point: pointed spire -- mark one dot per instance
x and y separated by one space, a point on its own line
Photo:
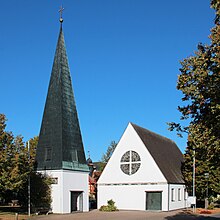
60 143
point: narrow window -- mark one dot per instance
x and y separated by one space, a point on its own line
74 155
185 194
48 154
172 195
179 194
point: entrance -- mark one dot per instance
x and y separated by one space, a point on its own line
76 201
153 200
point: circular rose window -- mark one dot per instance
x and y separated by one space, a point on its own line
130 162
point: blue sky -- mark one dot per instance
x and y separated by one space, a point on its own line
123 56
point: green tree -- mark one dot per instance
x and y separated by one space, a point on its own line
105 157
32 151
13 163
40 191
16 164
109 152
207 153
40 184
199 82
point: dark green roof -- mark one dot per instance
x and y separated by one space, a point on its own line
60 142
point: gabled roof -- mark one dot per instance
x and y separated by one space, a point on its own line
165 152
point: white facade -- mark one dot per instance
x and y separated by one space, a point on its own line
133 197
69 191
131 192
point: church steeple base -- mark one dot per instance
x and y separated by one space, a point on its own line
69 191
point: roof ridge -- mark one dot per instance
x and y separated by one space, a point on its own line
153 133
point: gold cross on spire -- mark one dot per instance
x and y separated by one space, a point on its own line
61 13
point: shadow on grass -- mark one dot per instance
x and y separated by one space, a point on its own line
189 216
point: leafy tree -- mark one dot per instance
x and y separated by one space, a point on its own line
32 151
13 164
40 191
207 153
199 82
109 152
16 164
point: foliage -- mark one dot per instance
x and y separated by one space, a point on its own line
207 154
13 161
99 166
215 200
110 207
199 82
109 152
211 207
16 164
40 191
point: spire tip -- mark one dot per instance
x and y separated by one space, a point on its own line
61 13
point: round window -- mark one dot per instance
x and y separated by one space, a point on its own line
130 162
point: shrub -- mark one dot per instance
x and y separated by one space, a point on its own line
211 206
110 207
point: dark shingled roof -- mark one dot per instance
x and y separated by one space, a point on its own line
165 152
60 137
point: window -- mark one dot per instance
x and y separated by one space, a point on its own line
74 155
48 154
130 162
172 195
185 194
179 194
54 180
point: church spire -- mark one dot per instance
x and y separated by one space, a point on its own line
60 143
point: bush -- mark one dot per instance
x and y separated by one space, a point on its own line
215 200
211 206
110 207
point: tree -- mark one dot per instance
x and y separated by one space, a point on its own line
16 166
40 192
199 82
109 152
13 163
207 153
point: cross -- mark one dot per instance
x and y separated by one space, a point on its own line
61 13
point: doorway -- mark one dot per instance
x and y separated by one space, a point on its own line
153 200
76 201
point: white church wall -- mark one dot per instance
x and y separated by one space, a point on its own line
129 191
131 197
56 190
75 181
148 171
68 181
177 197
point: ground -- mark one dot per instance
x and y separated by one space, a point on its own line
121 215
203 211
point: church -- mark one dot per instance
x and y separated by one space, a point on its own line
143 173
60 152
